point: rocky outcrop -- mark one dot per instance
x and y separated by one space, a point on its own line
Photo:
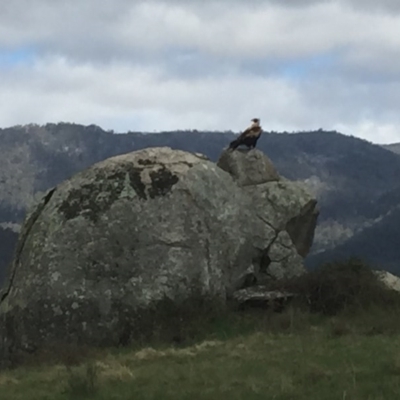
284 205
141 227
248 168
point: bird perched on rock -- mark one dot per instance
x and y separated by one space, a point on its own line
249 136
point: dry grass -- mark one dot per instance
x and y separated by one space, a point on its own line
313 364
149 353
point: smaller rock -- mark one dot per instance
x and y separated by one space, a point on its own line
248 167
389 280
260 296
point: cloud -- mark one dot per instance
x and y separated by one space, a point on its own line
125 97
155 65
108 30
62 91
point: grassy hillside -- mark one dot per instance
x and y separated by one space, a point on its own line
343 343
287 356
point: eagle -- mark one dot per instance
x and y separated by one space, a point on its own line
249 136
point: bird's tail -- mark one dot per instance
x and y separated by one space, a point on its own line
234 144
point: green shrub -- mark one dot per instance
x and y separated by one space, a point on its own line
335 287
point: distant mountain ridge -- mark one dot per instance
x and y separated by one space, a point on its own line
356 182
395 147
377 243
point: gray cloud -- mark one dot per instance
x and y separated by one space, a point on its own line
204 64
128 30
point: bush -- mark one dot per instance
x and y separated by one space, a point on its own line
335 287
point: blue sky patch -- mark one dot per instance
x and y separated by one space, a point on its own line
12 57
305 67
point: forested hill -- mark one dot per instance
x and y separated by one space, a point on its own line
350 177
378 244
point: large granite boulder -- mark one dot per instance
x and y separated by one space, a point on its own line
141 227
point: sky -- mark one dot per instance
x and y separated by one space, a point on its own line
142 65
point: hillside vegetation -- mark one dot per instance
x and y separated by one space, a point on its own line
378 243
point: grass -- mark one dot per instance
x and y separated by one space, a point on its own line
293 355
339 340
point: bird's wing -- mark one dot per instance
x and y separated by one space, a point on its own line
250 131
246 132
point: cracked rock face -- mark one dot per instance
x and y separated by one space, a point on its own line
281 204
136 228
